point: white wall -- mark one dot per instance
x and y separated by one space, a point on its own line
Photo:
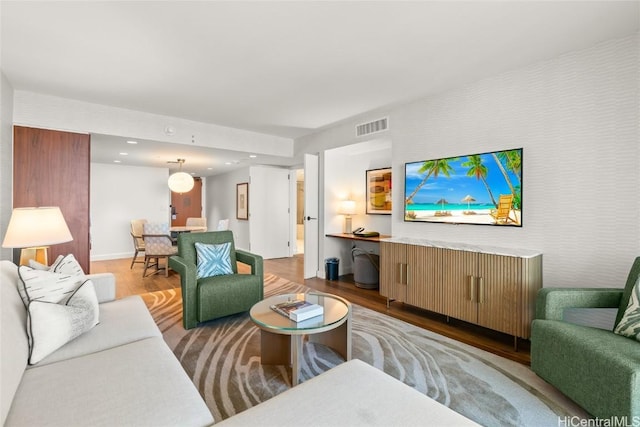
221 204
6 159
576 116
118 195
344 178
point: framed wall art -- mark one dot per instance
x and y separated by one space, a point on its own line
242 200
378 182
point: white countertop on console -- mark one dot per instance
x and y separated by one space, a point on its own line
515 252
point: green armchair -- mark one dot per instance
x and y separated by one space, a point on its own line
594 367
209 298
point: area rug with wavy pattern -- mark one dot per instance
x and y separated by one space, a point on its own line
222 357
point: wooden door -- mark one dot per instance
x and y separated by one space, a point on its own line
499 283
187 205
52 168
459 284
393 271
424 284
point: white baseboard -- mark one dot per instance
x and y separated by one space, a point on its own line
107 257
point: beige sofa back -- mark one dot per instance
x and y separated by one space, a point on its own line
14 348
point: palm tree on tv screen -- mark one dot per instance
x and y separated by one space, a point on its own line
478 170
512 160
432 168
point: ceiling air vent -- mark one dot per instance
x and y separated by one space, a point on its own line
372 127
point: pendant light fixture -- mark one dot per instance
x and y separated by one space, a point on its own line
180 182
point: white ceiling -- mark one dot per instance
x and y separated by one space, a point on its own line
285 68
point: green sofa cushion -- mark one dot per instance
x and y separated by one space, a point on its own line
220 296
599 370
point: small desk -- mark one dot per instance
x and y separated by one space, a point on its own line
350 236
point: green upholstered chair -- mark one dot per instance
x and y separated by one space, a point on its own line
209 298
594 367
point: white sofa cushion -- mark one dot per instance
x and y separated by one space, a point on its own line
140 384
14 348
351 394
121 321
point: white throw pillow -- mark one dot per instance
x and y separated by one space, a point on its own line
67 264
629 325
51 325
46 286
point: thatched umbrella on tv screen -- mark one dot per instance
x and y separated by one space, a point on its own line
468 199
443 202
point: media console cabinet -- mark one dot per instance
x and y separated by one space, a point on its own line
491 287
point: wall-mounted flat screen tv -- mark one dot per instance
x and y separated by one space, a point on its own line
483 188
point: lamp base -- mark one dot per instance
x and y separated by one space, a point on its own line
39 254
347 225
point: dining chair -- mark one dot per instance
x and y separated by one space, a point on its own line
197 222
158 245
137 229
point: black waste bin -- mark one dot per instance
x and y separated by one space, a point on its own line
331 266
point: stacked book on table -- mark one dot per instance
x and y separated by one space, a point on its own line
298 310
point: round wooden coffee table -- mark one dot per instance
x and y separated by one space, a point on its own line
281 338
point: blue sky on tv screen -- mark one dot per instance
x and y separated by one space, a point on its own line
458 185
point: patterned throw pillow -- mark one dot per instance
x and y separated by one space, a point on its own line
47 286
629 325
51 325
67 264
213 260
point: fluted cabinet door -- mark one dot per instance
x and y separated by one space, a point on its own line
459 284
393 267
51 168
424 284
499 283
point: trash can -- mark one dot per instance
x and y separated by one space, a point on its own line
331 266
366 269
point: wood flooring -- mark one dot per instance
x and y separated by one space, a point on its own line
130 282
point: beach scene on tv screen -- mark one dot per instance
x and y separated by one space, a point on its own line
473 189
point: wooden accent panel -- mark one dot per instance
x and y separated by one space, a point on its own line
187 205
52 168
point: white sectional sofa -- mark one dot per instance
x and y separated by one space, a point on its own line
121 372
352 394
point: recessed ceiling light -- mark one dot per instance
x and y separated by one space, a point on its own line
253 156
209 169
124 154
117 161
227 163
132 142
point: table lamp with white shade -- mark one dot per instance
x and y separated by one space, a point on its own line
347 208
33 230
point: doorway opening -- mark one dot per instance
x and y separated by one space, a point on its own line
299 211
